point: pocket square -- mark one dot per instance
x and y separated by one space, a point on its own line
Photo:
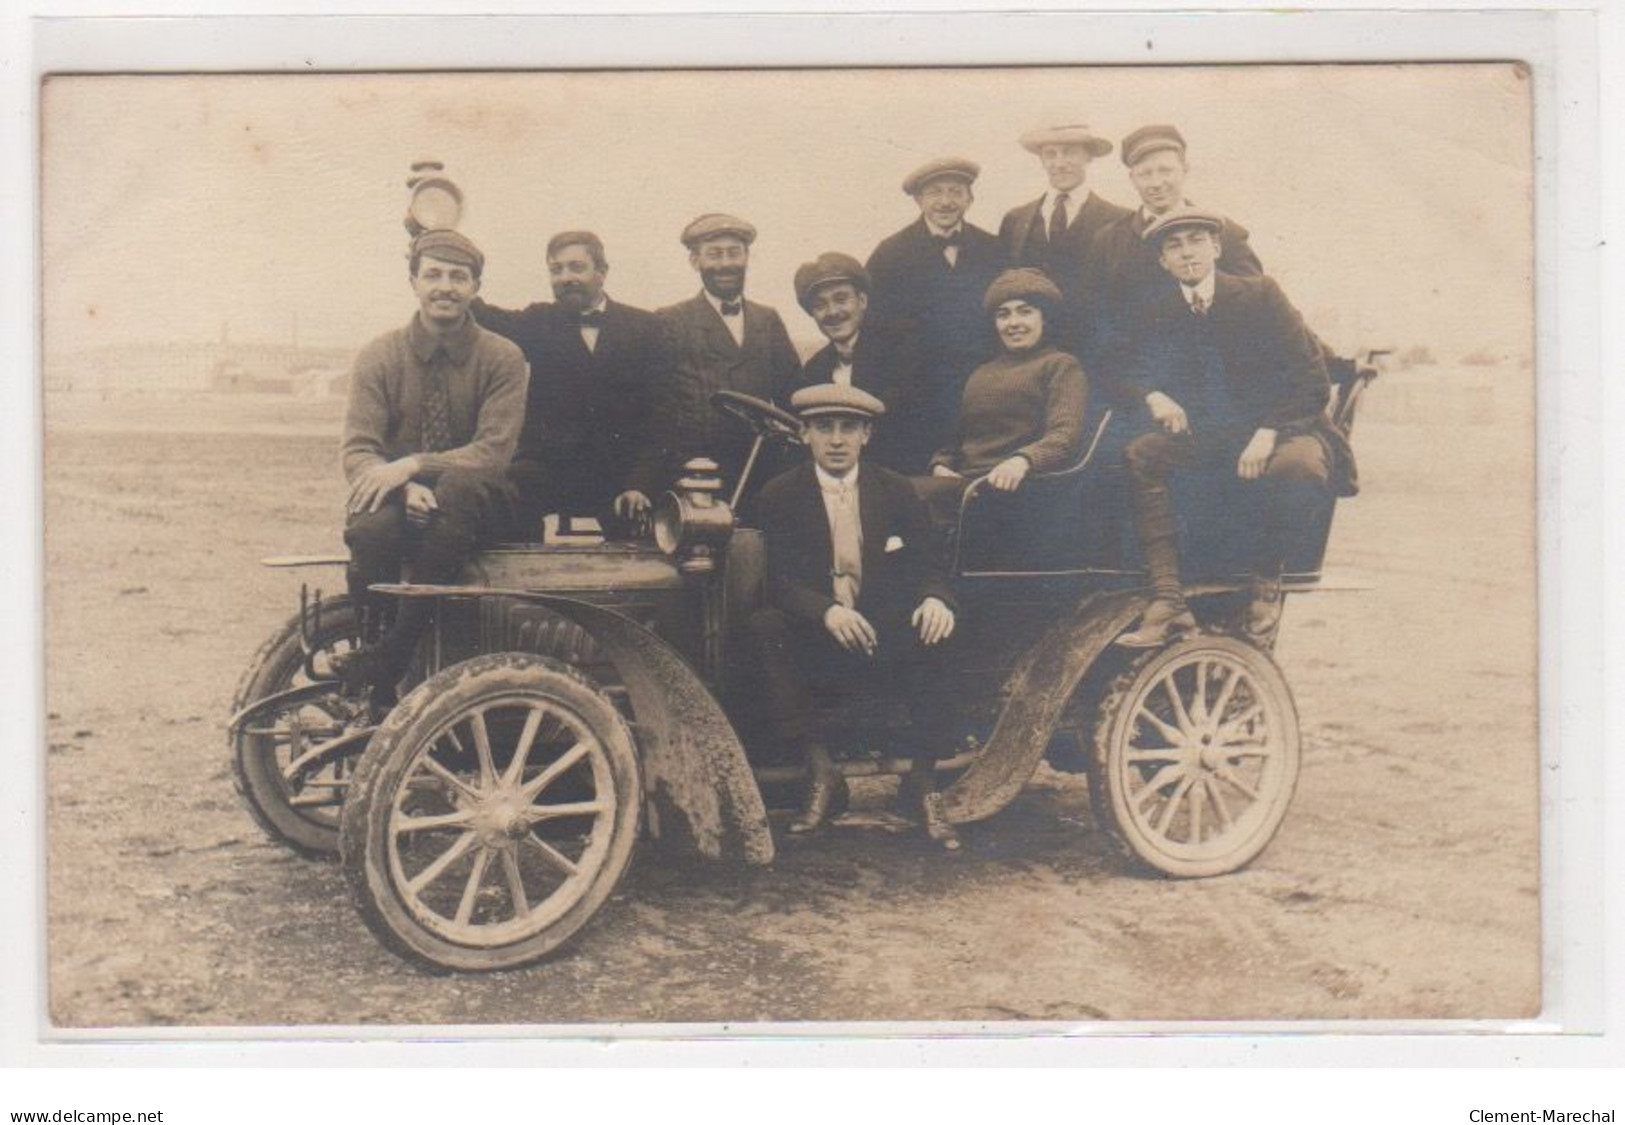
895 543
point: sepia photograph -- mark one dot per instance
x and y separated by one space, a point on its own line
988 547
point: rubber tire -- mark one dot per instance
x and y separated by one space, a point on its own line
274 667
394 748
1111 733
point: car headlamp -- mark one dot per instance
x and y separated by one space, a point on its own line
690 522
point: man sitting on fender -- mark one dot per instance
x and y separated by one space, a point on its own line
855 594
1229 377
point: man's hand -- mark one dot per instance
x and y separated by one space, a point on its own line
1167 413
421 505
1256 457
1008 474
632 505
376 482
934 620
851 630
944 471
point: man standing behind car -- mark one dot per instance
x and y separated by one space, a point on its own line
718 341
595 367
434 413
877 356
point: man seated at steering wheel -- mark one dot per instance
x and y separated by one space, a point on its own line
856 594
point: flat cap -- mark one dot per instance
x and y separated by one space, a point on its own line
1148 139
449 246
1035 139
1023 284
713 224
826 268
833 398
1179 218
943 167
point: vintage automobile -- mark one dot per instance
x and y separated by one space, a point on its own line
580 696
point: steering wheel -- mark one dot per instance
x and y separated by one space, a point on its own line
763 418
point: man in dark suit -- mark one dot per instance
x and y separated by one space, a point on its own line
877 356
855 594
1225 376
595 368
718 341
1053 232
929 279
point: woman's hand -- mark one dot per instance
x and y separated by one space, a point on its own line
1167 413
1256 457
1008 474
944 471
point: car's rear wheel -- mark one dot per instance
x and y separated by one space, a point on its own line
291 761
1197 752
494 813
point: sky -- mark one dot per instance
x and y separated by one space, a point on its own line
1393 203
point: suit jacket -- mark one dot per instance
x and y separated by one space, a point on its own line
890 364
1269 360
588 413
1026 239
801 553
705 360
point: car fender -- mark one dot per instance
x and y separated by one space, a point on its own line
1037 692
700 786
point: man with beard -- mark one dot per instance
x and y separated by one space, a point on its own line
595 365
1053 233
718 341
929 279
434 413
878 357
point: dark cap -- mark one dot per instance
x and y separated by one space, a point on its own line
827 268
1035 139
835 398
1024 284
449 246
715 224
1178 219
1148 139
943 167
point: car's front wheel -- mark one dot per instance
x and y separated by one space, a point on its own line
493 814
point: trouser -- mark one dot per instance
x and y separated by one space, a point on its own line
539 493
798 660
1298 463
474 508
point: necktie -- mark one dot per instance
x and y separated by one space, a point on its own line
848 543
1199 304
733 308
1057 218
436 432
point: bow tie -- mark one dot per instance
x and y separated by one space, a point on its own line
953 239
592 318
733 308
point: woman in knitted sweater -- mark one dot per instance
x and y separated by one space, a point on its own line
1023 410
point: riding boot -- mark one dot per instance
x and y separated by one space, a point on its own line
1167 615
826 791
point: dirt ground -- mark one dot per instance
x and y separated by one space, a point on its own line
1404 882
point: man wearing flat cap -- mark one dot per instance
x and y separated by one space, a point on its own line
1053 232
929 279
595 369
434 413
718 341
875 355
1226 377
855 595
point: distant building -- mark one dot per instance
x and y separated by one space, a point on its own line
217 366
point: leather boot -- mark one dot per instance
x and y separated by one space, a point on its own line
1164 619
1264 611
826 793
934 814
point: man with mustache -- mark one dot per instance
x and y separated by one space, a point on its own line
1053 232
717 341
1224 376
873 355
928 281
434 413
595 367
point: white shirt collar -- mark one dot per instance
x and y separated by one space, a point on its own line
828 482
716 302
1203 287
1075 199
851 349
599 305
